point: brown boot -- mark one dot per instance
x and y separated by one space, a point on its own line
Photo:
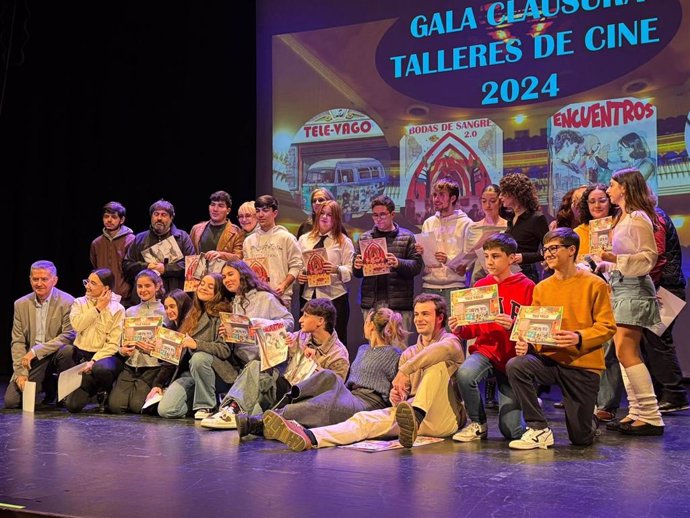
249 425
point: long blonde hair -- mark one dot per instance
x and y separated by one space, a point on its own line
388 325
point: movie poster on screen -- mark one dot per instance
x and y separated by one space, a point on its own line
467 151
353 179
589 141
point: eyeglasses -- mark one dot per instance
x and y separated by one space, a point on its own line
553 249
87 282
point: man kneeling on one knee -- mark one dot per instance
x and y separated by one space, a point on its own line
424 400
576 360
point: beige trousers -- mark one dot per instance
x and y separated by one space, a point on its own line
433 396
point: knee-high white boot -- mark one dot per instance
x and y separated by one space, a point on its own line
647 405
633 405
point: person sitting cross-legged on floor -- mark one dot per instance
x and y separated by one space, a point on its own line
576 360
424 397
492 348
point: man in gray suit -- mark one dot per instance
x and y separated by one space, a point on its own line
41 327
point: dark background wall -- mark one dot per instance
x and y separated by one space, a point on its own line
127 101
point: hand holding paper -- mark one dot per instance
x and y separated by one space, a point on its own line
521 347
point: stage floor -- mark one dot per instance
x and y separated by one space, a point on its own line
54 463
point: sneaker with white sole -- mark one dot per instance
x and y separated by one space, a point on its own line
222 420
203 413
533 439
472 432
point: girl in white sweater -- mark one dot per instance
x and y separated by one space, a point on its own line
632 257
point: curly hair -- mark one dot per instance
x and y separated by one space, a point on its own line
522 189
585 214
566 217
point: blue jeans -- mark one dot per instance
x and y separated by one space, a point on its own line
175 402
476 368
254 391
199 385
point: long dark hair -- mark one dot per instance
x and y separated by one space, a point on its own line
184 304
214 306
248 281
636 193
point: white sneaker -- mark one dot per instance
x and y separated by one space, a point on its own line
472 432
203 413
532 439
223 420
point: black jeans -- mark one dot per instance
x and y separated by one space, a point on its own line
101 377
662 360
579 387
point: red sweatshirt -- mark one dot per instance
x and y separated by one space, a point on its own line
492 340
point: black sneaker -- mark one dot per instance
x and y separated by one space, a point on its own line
668 407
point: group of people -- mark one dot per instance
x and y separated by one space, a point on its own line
389 389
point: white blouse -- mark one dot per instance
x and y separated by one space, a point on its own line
634 244
340 256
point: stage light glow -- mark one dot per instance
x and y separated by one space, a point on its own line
520 118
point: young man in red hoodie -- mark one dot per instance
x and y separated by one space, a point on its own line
492 348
